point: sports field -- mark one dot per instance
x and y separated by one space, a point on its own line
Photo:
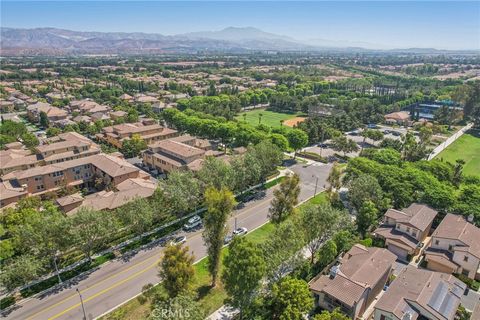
269 118
467 147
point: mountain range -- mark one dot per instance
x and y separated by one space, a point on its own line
53 41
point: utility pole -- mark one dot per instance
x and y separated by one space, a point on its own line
316 184
83 307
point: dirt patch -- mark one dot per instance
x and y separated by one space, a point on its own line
294 121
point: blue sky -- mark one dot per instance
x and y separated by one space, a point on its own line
438 24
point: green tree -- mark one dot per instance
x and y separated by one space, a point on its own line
182 191
219 204
334 315
91 229
268 155
372 134
327 254
285 199
291 299
282 250
30 140
176 269
19 271
44 122
367 216
53 131
244 267
457 173
317 224
133 146
365 188
136 215
297 139
334 180
343 144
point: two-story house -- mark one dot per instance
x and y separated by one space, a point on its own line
353 284
420 294
404 231
455 247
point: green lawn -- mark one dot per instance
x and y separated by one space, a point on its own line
270 118
467 147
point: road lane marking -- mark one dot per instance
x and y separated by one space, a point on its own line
88 288
106 289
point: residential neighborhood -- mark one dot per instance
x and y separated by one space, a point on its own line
240 160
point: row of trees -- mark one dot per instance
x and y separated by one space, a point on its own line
234 133
254 276
38 233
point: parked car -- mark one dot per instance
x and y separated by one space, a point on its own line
386 131
192 223
372 126
323 145
228 239
396 133
240 231
178 240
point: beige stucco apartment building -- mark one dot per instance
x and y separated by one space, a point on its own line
148 129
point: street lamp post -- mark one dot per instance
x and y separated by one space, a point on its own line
83 307
56 267
316 184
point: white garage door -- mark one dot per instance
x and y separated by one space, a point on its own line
401 253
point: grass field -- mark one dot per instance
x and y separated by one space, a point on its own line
467 147
269 118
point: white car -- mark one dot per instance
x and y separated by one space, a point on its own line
193 222
240 231
178 240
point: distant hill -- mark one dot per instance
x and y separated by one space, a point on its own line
52 41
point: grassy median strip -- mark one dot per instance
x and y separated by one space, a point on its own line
208 298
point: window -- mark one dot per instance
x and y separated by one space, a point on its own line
465 272
465 258
408 229
414 233
437 242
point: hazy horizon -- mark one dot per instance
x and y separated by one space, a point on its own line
380 24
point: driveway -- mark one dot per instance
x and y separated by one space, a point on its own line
470 300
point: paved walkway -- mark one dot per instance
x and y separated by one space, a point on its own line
449 141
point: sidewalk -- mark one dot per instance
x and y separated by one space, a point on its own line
449 141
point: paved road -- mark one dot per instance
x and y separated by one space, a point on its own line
122 279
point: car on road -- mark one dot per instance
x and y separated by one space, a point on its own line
354 133
192 223
396 133
178 240
323 145
228 239
372 126
240 231
386 131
